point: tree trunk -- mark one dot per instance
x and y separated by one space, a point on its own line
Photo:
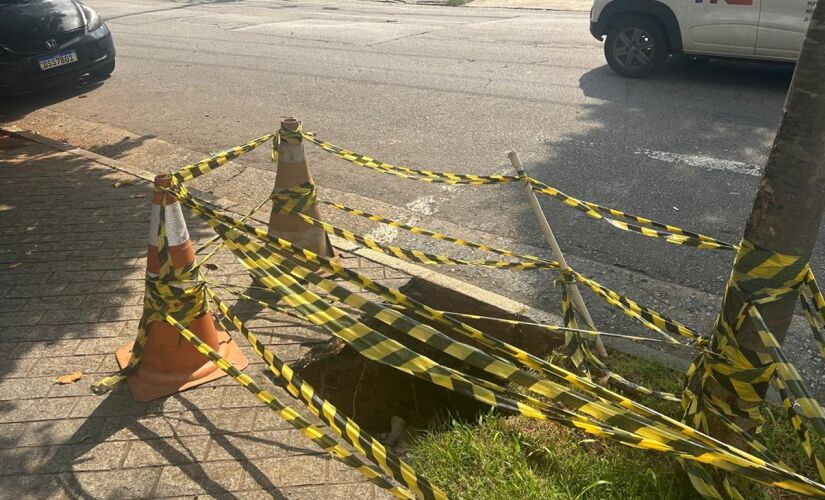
789 204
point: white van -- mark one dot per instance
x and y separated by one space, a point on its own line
640 34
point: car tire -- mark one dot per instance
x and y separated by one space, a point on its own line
103 71
635 46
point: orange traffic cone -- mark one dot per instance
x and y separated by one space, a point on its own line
293 171
169 363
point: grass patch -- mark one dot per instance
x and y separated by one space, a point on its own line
515 457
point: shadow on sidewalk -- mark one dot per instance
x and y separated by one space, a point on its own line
118 417
17 107
73 260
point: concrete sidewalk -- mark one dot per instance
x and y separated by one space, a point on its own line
71 286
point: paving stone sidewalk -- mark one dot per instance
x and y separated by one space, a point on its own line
72 260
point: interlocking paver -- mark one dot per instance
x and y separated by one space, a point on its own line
72 249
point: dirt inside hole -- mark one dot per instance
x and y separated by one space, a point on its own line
373 394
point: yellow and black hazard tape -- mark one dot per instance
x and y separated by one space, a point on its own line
556 328
295 419
654 436
580 355
166 300
343 426
645 227
400 171
647 316
432 234
759 276
596 410
424 257
294 200
195 170
813 303
640 225
172 292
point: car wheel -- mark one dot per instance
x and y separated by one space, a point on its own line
103 71
635 46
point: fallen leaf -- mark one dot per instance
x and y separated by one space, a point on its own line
211 267
141 195
15 265
69 378
120 184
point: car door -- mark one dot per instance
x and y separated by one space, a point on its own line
720 27
782 28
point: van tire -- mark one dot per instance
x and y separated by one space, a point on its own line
635 46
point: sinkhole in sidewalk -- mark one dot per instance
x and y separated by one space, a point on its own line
377 396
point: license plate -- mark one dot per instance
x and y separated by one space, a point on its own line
60 59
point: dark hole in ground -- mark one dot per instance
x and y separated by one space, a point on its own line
372 394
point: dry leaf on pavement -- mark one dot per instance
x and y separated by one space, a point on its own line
69 378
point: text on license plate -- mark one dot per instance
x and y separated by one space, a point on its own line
56 60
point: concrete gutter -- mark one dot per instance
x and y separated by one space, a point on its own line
436 287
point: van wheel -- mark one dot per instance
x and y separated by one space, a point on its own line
635 46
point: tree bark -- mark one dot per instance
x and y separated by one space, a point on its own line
790 200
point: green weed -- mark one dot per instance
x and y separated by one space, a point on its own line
514 457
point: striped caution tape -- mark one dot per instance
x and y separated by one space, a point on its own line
435 235
577 351
647 316
712 480
641 225
659 438
651 319
406 172
343 426
172 292
294 200
165 300
195 170
759 276
813 304
556 328
291 416
425 257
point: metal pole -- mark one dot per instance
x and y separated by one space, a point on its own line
575 296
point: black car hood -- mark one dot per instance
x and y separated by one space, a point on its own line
32 20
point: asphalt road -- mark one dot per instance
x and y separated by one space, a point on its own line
452 89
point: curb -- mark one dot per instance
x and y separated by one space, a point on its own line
426 276
438 287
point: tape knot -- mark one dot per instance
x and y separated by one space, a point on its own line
293 200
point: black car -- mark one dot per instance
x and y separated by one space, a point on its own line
44 42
